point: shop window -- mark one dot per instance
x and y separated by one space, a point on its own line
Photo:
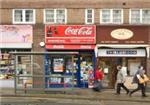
55 16
23 16
7 61
114 16
61 71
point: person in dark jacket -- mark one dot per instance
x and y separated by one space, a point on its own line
141 86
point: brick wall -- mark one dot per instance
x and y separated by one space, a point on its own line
74 3
5 16
75 16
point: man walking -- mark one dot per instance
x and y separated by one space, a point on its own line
120 81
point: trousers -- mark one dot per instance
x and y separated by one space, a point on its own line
119 85
140 87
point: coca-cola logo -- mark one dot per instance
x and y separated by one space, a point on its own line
79 31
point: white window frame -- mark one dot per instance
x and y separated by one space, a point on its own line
111 16
86 16
24 18
141 16
54 16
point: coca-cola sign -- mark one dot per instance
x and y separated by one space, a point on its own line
78 31
70 34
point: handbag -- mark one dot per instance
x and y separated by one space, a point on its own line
142 80
146 79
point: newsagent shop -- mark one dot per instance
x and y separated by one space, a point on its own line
70 38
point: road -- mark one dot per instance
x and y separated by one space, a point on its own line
55 101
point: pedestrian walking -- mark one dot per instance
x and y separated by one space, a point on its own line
99 75
140 78
120 81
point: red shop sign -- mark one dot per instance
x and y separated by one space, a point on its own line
70 34
70 47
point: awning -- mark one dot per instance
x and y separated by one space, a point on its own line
16 45
99 46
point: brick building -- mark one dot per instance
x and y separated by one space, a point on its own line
102 18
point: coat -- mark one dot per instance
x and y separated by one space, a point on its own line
135 79
120 77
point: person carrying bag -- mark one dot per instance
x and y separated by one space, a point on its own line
140 78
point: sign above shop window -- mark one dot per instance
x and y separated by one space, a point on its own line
122 34
70 34
16 36
70 47
122 52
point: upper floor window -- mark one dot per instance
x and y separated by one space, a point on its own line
114 16
23 16
53 16
89 16
139 16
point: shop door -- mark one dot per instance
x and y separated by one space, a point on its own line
133 66
86 71
109 68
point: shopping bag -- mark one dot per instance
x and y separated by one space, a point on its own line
146 79
141 80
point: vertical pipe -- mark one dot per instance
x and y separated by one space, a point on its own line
94 63
73 72
15 80
78 74
32 68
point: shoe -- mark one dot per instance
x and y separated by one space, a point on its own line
117 93
144 96
130 94
127 92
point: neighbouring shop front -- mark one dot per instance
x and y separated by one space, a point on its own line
14 38
121 45
70 38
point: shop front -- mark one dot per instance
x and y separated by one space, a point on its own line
121 45
71 38
14 38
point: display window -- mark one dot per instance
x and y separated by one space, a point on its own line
109 65
7 62
61 70
70 70
24 71
87 72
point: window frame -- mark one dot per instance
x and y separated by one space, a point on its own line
141 15
86 16
55 13
111 16
23 17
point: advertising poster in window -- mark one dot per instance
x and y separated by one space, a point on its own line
18 36
58 65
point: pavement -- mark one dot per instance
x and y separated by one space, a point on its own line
79 93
